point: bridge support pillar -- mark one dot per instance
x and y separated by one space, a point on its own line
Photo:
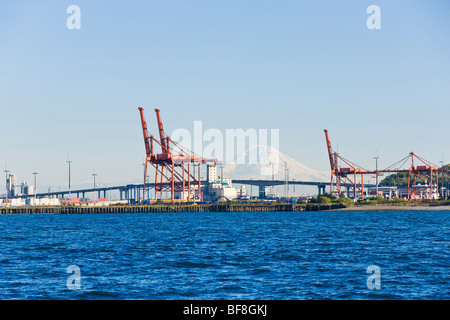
262 192
127 195
321 188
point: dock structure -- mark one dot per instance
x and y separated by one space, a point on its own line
218 207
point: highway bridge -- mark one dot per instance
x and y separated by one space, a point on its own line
136 191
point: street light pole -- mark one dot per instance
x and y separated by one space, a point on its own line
287 183
273 187
35 189
94 175
442 177
376 172
69 162
286 188
6 182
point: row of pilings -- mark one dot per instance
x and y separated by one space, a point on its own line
170 208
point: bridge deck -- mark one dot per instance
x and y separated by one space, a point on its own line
140 187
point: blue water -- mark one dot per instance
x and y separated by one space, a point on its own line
297 255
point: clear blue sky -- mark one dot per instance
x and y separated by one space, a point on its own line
297 66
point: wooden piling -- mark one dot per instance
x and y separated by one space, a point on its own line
222 207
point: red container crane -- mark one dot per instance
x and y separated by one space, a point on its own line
176 168
348 175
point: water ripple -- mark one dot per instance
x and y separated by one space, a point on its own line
315 255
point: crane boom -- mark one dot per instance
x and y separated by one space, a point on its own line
148 149
161 133
330 152
177 170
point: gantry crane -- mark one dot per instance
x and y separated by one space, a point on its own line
344 176
176 169
415 171
348 175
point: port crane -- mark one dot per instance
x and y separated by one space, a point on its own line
348 174
177 170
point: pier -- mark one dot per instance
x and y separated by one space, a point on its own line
227 207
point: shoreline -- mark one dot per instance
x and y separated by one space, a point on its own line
386 207
170 208
222 208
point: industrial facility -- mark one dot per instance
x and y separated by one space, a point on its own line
351 176
218 189
25 195
177 170
12 188
177 179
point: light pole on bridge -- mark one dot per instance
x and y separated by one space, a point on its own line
35 188
6 181
376 171
94 175
69 162
442 178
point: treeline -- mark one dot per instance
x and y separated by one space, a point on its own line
332 199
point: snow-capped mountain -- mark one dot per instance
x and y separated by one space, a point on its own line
258 162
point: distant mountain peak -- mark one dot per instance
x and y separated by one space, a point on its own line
258 162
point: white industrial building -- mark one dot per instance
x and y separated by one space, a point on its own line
19 202
26 189
179 195
12 188
11 182
220 189
420 192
